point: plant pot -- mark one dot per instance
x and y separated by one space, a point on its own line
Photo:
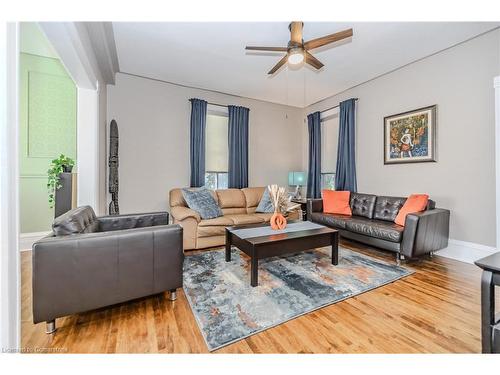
278 221
67 168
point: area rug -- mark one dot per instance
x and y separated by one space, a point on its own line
228 309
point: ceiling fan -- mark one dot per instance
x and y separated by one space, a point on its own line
298 50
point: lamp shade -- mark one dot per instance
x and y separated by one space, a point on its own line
296 178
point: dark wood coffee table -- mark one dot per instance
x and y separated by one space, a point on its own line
272 245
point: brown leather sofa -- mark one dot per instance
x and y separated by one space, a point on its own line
89 262
372 223
238 207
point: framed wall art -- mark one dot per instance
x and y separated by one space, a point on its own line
410 137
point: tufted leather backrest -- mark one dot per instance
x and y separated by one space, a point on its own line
363 204
78 220
387 208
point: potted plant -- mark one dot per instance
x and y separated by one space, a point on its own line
63 164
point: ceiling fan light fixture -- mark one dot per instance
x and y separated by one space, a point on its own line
295 56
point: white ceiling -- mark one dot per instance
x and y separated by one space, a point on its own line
212 55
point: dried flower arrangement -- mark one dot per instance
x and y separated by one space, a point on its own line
279 199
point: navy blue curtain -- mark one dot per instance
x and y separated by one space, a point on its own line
314 171
238 147
345 175
197 142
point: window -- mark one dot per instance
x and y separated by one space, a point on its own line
216 180
328 181
329 140
216 151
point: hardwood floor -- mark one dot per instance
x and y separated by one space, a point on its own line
435 310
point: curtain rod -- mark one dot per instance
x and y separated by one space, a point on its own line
335 106
218 105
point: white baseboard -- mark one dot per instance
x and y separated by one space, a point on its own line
467 252
26 240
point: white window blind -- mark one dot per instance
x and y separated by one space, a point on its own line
329 143
216 143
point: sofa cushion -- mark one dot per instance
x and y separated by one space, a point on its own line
202 201
376 228
330 220
336 202
414 203
245 219
387 208
265 204
214 227
363 204
265 216
78 220
253 195
221 220
215 230
231 198
177 199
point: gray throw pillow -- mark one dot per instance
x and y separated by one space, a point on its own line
265 204
202 202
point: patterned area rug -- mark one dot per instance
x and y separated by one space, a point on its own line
228 309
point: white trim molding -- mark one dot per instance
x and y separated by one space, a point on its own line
102 39
464 251
496 85
68 43
88 148
9 188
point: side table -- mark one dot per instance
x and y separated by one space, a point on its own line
490 323
303 206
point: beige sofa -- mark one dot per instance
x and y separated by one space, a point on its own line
238 207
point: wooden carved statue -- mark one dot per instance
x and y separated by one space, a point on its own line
113 168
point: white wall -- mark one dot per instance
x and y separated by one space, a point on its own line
460 81
153 122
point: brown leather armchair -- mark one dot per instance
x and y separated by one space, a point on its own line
91 262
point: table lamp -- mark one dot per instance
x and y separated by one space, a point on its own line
297 179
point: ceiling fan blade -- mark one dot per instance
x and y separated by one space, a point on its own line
313 61
315 43
279 64
296 32
277 49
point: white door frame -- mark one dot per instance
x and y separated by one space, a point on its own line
496 85
88 148
10 278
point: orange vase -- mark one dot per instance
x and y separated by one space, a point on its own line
278 221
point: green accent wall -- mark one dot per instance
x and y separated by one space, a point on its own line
47 114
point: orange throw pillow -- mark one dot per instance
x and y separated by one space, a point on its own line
414 203
336 202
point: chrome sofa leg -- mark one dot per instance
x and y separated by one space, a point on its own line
50 327
399 258
431 254
173 294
